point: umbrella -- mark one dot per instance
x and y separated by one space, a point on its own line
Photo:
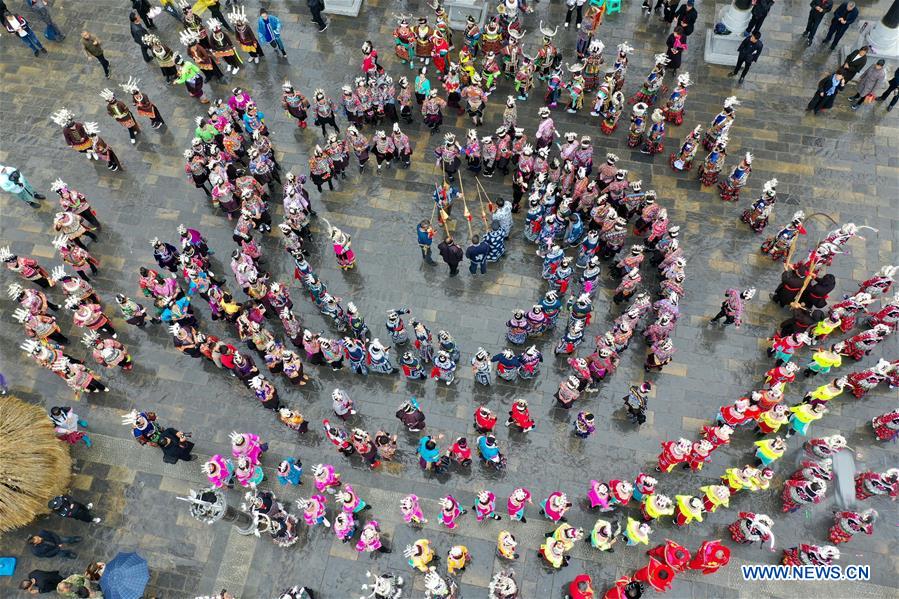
125 577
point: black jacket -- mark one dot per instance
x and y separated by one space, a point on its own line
843 12
750 51
138 32
826 5
451 254
853 64
45 580
686 18
761 8
49 545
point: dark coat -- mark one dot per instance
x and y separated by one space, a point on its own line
853 64
686 18
760 9
826 5
49 545
451 254
843 12
749 51
477 253
138 32
45 580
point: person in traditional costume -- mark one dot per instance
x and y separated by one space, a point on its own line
810 555
739 176
777 247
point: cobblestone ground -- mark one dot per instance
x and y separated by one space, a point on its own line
843 164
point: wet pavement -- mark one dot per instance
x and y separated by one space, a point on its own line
842 165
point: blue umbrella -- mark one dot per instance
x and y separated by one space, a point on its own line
125 577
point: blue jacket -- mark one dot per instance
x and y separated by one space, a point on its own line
269 31
424 238
477 253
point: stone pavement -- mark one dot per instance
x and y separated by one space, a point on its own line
844 164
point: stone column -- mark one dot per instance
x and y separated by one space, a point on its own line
736 16
884 36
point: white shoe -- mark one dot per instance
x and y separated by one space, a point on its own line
97 520
234 72
566 24
134 141
90 506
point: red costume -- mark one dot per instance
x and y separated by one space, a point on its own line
674 555
710 556
656 574
671 456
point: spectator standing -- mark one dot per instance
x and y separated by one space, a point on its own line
826 94
686 16
844 16
892 89
759 13
92 48
42 9
747 53
50 544
816 13
854 63
316 7
18 26
142 7
138 31
868 84
269 28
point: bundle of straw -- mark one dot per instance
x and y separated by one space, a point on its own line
34 465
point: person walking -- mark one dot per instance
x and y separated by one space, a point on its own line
844 16
41 581
142 7
50 544
816 13
42 9
747 53
892 89
66 507
868 84
13 181
92 48
425 239
477 255
827 91
452 253
138 31
316 7
18 26
269 28
759 13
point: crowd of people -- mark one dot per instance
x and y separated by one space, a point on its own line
578 217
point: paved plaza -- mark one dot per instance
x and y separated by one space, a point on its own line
841 165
